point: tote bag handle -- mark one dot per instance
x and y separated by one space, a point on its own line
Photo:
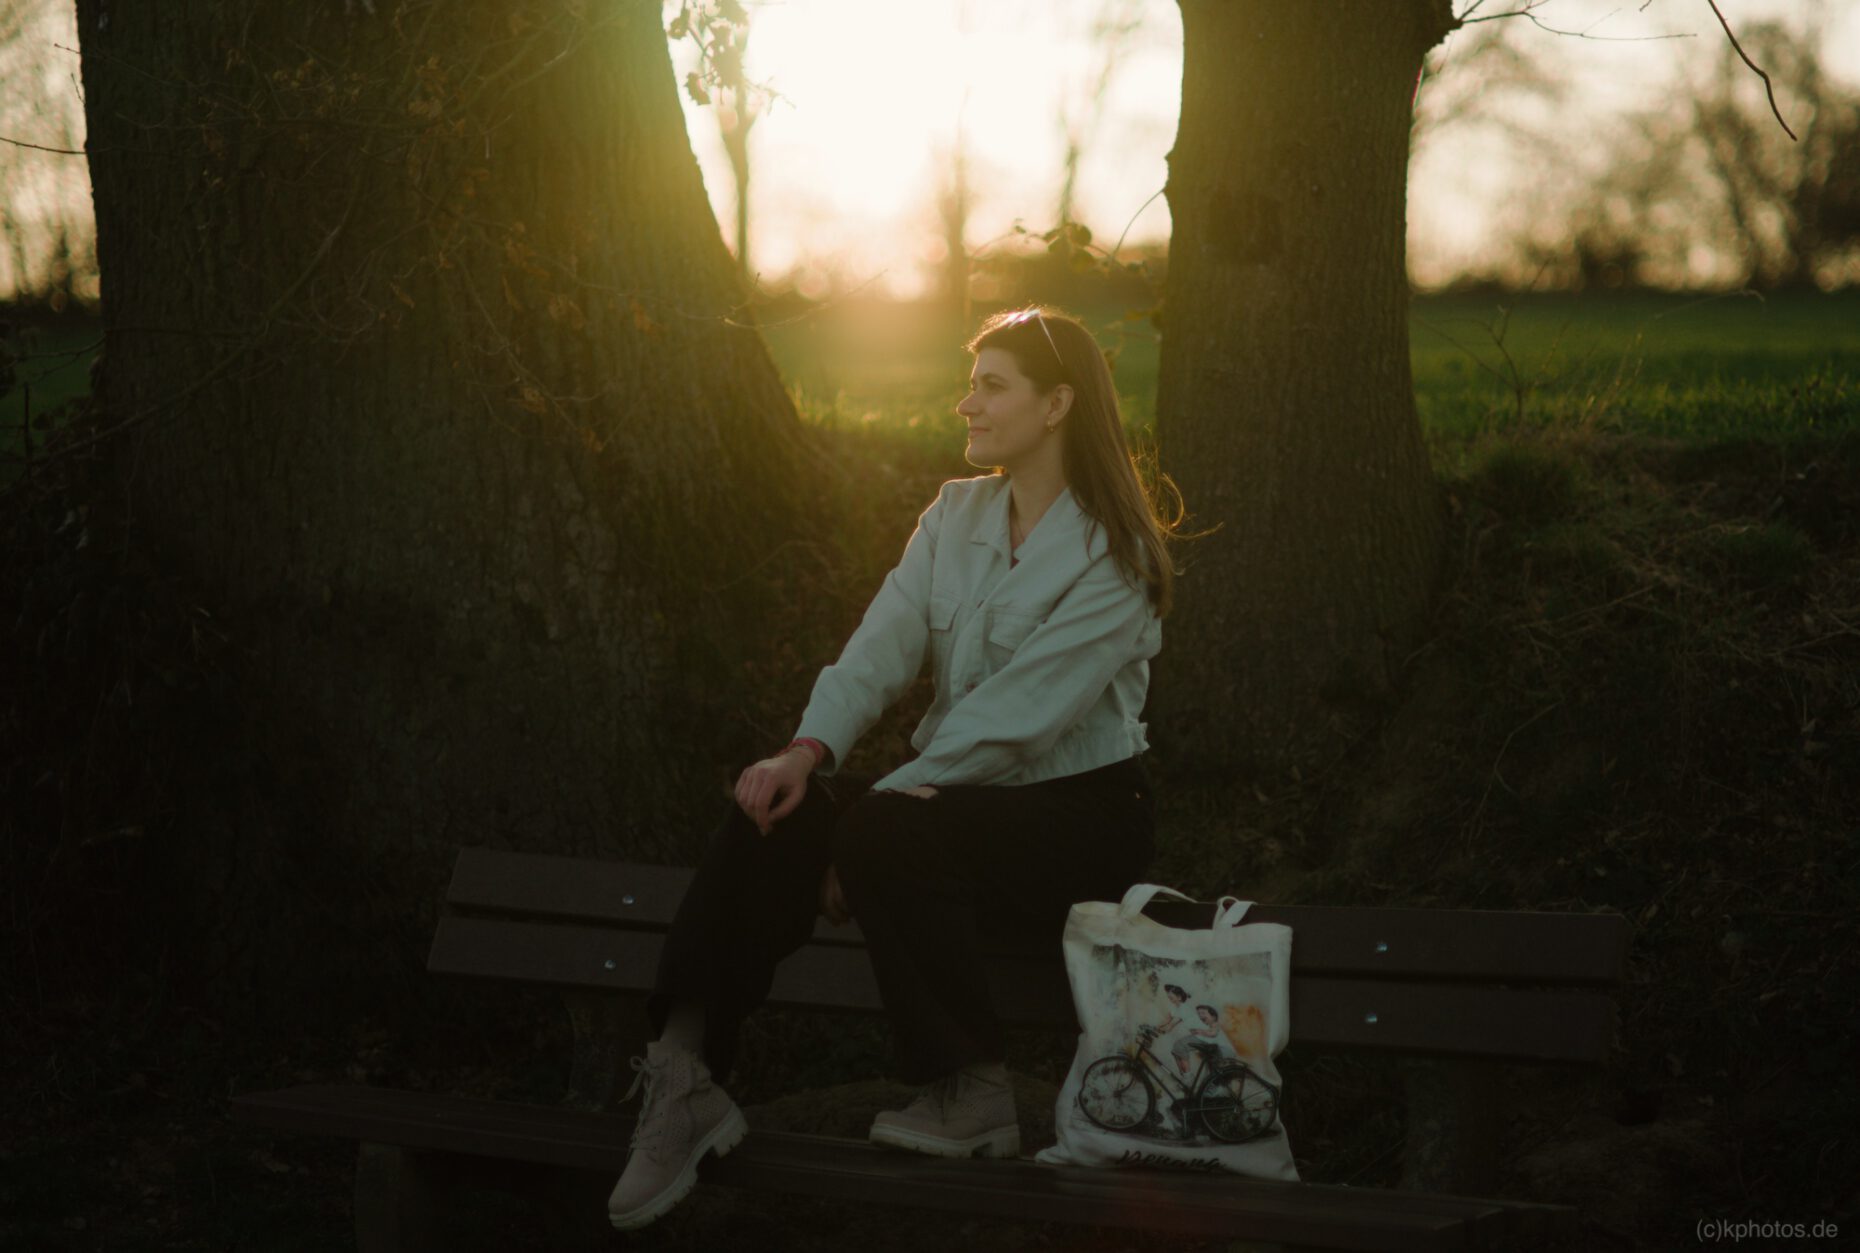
1229 910
1143 893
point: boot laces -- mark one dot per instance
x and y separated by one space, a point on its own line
650 1128
933 1098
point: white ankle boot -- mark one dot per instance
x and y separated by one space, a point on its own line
684 1116
966 1114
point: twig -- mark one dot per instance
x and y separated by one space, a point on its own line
1133 221
1474 356
63 152
1472 825
1592 609
1757 69
1528 13
93 346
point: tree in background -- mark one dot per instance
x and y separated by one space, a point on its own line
1788 211
48 247
1716 193
1489 101
735 119
1473 80
1080 116
419 366
954 201
1285 403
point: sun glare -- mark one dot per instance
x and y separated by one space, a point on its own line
875 98
874 101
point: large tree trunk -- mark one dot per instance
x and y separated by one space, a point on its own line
419 321
1285 403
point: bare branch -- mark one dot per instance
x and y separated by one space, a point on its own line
63 152
1529 14
1757 69
1133 221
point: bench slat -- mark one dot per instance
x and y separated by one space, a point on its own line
1446 1019
542 1134
1346 1218
1516 947
1192 1205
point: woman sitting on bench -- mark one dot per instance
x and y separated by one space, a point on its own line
1037 592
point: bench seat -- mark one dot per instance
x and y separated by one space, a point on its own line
832 1168
1456 995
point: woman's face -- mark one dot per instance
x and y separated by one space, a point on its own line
1006 413
1206 1015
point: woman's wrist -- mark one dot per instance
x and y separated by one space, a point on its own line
815 750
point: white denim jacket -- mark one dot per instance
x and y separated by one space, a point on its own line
1041 667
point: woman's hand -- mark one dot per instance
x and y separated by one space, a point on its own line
833 906
769 790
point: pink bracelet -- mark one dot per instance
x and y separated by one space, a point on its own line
812 745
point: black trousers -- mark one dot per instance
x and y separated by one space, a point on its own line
926 879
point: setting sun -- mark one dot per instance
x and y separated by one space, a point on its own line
851 155
874 100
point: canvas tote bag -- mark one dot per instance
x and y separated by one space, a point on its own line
1178 1029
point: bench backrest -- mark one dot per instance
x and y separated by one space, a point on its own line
1452 983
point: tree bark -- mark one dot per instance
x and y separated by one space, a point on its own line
1285 400
418 330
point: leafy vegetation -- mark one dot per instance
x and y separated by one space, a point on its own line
1640 692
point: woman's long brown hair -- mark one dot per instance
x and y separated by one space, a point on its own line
1113 487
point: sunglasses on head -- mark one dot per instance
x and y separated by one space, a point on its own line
1036 315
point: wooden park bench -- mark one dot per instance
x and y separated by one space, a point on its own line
1456 992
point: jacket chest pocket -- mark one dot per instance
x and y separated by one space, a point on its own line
942 632
1007 629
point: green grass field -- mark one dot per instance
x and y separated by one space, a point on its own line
53 368
1681 367
1672 366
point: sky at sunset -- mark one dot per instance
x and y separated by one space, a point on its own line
873 98
847 163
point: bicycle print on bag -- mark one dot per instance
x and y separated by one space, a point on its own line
1178 1028
1189 1062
